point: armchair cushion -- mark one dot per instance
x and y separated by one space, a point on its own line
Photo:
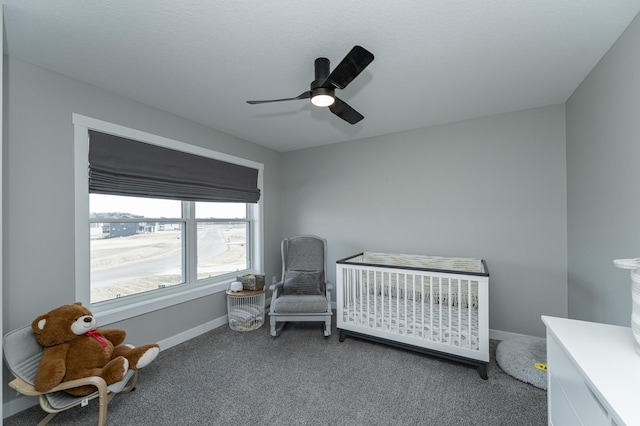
292 304
303 282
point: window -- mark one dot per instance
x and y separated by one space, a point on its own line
223 237
141 254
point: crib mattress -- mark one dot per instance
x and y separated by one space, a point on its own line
452 325
473 266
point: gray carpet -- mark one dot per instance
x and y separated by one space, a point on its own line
301 378
518 357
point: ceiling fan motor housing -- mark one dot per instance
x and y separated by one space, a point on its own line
322 70
321 74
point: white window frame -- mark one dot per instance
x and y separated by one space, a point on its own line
127 307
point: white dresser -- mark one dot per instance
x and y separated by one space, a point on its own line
593 374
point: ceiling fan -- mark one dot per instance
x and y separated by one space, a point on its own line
323 88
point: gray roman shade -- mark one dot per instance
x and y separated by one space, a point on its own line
121 166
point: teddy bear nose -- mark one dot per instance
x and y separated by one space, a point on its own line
87 319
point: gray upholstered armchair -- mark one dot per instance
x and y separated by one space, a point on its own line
304 293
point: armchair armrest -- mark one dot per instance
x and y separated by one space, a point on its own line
276 289
277 285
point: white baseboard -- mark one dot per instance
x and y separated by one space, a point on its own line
194 332
501 335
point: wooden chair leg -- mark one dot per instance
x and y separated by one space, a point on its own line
47 419
104 399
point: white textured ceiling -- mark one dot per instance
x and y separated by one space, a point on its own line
436 61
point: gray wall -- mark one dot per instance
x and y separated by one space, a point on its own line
603 177
38 243
493 188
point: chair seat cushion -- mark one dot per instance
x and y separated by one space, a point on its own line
295 304
61 400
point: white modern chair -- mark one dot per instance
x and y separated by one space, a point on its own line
22 354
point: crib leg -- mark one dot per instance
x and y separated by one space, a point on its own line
482 370
342 336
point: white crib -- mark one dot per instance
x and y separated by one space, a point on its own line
431 304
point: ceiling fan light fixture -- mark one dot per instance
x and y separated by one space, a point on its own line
323 100
322 96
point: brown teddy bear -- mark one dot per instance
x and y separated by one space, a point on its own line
74 349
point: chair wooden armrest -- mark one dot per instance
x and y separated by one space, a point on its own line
27 389
102 394
276 289
275 286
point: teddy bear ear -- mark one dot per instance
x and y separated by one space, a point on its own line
38 323
78 303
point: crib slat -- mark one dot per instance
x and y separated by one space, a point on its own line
459 291
365 275
413 303
352 295
352 299
395 277
346 275
347 291
469 307
431 308
359 296
390 301
382 301
405 303
449 309
440 307
375 299
423 292
356 294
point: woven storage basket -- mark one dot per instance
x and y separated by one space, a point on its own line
252 281
245 309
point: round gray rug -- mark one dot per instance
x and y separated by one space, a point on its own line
524 358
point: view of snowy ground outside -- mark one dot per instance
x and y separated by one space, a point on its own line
148 261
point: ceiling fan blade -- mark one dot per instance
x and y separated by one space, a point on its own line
305 95
344 111
353 64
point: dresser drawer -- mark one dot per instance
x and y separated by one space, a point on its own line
560 410
569 381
